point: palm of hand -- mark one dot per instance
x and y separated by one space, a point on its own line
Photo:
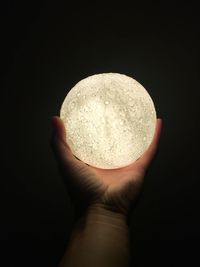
115 188
108 187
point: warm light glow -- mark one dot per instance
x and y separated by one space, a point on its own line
110 120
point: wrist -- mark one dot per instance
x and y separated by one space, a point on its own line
105 210
98 214
101 237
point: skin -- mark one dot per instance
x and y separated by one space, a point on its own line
102 200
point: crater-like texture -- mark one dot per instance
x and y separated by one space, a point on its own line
110 120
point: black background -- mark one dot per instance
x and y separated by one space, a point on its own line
48 46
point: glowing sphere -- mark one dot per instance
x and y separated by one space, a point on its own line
110 120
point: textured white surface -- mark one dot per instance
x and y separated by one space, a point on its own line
110 120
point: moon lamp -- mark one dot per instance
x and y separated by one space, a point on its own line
110 120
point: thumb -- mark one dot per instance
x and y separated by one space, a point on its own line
60 147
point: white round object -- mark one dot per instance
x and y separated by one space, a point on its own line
110 120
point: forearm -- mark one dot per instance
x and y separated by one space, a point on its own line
99 239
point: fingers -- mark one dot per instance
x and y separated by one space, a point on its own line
147 157
66 158
60 147
58 127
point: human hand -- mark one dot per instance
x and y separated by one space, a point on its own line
115 189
